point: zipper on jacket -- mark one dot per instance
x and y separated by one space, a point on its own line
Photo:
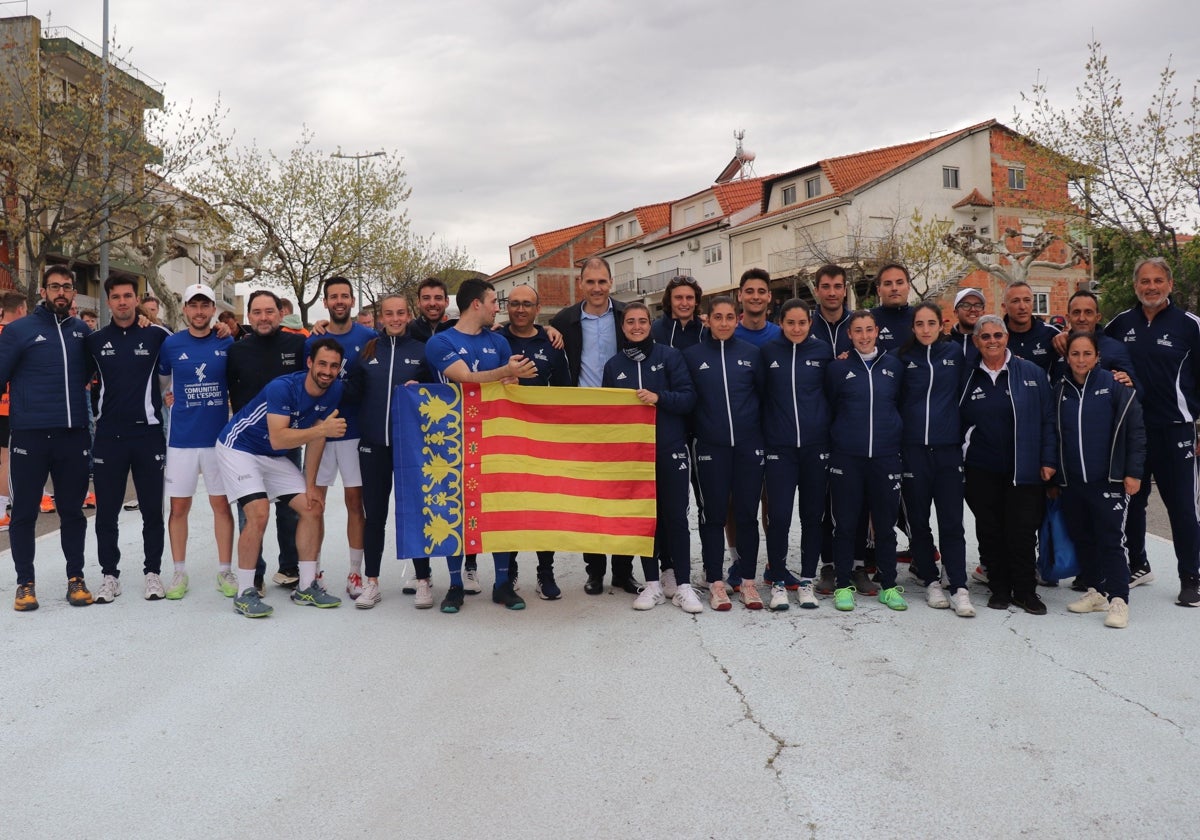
929 390
66 372
1079 425
795 403
725 382
387 414
871 406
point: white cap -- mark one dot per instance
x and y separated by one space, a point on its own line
966 293
199 290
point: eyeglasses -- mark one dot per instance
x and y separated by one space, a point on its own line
521 304
971 307
676 282
60 287
991 336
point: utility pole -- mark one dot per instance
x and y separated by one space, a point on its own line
358 159
102 302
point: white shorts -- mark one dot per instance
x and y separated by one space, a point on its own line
340 456
248 475
184 468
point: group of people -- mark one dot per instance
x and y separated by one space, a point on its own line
855 422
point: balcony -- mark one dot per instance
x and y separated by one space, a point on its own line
841 250
657 282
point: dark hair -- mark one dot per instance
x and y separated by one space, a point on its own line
673 284
336 281
469 291
149 296
713 303
1076 334
433 283
11 300
60 270
912 342
325 343
89 313
226 315
1086 293
830 270
590 261
858 314
635 305
259 293
794 303
115 280
889 267
754 274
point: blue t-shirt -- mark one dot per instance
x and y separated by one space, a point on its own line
757 337
352 344
197 368
486 351
247 430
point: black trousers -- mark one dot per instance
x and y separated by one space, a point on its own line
114 458
1007 519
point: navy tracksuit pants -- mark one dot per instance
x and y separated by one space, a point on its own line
375 464
34 455
673 480
854 481
114 458
1170 458
1007 519
1095 514
725 474
933 476
788 469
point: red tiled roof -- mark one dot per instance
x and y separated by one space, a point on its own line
849 171
738 195
508 269
654 217
975 199
544 243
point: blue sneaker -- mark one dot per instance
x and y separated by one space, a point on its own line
315 596
547 589
250 605
788 579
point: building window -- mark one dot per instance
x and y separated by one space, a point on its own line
1016 177
620 234
950 177
789 195
1041 303
712 254
689 215
812 187
633 227
710 208
751 251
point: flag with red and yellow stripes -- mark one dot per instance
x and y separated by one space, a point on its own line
482 468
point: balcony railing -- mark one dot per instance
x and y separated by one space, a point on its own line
652 283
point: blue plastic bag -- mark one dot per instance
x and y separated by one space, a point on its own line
1056 551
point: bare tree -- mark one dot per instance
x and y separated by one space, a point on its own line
996 258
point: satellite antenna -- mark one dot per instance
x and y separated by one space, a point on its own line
745 157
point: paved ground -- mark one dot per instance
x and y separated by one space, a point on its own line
582 718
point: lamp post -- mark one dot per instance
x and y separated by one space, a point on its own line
102 298
358 159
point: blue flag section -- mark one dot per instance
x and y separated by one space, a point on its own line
427 453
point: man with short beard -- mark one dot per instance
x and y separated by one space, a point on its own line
43 358
265 352
432 299
968 308
1028 337
832 313
341 455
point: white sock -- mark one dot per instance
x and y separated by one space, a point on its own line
245 580
221 567
733 555
308 573
3 505
356 559
181 568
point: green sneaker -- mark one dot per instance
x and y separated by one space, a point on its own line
893 598
315 596
227 583
178 587
843 599
250 605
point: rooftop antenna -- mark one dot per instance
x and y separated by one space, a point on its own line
745 157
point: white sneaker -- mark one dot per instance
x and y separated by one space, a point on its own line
779 598
154 588
410 586
980 575
109 589
423 592
369 596
650 596
667 579
806 595
1092 601
354 585
961 601
685 598
470 579
1118 614
935 596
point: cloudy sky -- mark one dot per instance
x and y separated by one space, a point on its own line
518 116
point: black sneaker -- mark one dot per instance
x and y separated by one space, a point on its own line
628 584
998 602
547 588
453 601
1189 593
1031 603
261 586
1078 585
863 583
825 580
503 593
594 586
1139 576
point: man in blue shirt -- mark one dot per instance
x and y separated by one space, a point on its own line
129 435
341 455
296 409
471 351
754 297
192 364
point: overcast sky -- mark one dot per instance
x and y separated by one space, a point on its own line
516 116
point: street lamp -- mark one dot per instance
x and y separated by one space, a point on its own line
358 159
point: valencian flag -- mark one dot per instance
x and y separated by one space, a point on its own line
482 468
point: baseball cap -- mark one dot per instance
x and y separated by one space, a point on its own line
199 290
966 293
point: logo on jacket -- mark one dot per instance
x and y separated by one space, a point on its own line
621 376
744 362
703 366
373 362
141 350
200 377
978 394
1131 335
850 375
886 372
948 362
183 357
1165 341
774 365
39 338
